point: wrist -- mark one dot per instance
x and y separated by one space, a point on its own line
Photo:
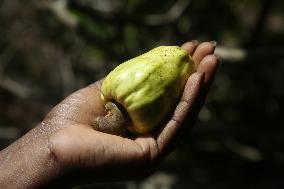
28 162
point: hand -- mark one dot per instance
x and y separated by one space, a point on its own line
65 149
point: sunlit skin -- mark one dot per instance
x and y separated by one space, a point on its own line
65 150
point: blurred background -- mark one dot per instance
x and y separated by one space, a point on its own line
51 48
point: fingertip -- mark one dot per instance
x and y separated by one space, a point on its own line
190 46
211 58
204 49
214 43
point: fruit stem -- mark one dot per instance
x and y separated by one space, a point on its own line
114 122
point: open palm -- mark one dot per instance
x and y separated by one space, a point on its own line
88 155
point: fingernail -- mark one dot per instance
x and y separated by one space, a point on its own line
218 57
194 42
214 43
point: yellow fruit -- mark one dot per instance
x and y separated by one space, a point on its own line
149 86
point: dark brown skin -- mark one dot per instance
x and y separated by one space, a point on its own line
64 150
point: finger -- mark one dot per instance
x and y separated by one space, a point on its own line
190 94
209 65
203 50
190 46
